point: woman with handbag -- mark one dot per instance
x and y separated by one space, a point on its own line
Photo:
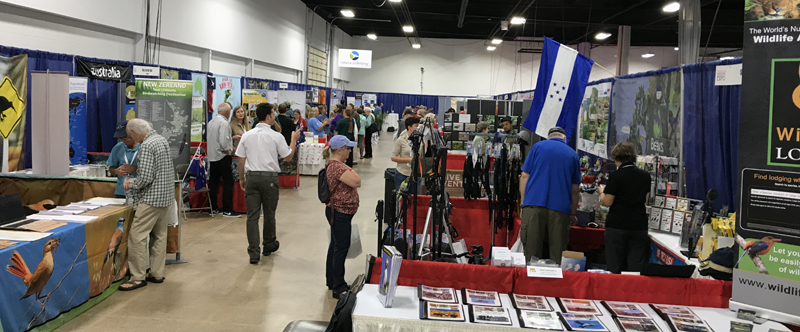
372 128
343 205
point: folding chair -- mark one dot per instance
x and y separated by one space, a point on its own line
183 174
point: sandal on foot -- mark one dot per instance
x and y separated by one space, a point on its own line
131 285
154 279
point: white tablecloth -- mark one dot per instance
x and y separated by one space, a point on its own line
370 315
390 120
310 159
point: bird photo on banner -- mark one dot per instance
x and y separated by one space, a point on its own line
757 248
563 75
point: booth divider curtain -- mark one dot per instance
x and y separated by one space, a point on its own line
396 102
711 133
37 60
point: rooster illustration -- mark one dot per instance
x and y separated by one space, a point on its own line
758 248
113 246
39 278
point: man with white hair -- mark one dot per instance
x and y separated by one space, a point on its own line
154 193
549 191
220 151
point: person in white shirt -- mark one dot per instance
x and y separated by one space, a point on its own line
259 153
220 151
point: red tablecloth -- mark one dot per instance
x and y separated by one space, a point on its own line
582 285
471 221
455 162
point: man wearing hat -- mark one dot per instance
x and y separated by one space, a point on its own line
123 160
260 152
549 189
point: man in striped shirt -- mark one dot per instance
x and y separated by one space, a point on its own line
154 194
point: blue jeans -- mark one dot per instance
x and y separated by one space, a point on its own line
337 250
398 180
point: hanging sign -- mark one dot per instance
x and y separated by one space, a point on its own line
355 58
13 91
593 119
145 71
767 278
283 85
729 75
102 71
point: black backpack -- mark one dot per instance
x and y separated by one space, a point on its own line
323 191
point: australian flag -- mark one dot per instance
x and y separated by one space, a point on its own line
563 74
197 168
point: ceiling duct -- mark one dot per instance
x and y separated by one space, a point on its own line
529 39
463 13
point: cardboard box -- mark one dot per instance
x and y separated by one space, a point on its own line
501 256
518 259
573 261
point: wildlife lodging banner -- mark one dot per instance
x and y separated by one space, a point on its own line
167 105
767 278
13 92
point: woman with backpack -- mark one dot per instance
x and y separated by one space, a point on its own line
340 208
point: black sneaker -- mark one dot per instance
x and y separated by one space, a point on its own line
231 214
267 252
254 260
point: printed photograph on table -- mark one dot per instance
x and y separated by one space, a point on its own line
741 327
436 294
582 322
539 320
530 302
688 324
579 306
483 298
624 309
458 126
489 315
627 324
665 310
441 311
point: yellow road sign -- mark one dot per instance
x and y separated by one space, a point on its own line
12 108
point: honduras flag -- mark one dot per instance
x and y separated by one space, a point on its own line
563 74
197 168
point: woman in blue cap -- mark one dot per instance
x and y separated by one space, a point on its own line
342 183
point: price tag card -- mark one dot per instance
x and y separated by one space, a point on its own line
545 272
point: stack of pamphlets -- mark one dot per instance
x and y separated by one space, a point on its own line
438 303
680 318
630 317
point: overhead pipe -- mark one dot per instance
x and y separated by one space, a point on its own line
463 13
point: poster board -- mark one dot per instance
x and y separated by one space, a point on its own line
77 120
251 98
228 89
593 119
296 99
167 105
646 112
199 93
767 279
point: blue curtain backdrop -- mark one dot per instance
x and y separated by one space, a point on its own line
396 102
37 60
711 135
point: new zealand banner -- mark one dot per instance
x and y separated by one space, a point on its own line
767 278
13 92
77 120
102 71
167 104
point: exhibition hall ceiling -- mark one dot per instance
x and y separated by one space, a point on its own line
567 21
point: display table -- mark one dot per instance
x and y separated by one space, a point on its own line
390 120
80 269
310 160
370 315
584 285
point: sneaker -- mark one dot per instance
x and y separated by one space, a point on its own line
231 214
268 252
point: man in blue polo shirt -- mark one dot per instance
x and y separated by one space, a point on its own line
549 189
123 160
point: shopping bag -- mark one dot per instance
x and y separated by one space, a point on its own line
517 247
172 214
355 242
376 137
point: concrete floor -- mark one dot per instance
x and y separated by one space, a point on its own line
218 290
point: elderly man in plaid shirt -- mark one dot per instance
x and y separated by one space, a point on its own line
154 194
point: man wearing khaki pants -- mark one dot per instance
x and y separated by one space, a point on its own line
549 189
259 152
154 194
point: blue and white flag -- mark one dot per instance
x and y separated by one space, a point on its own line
563 75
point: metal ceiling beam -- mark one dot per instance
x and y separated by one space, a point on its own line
633 6
462 13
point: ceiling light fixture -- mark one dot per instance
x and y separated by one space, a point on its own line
677 48
727 58
416 45
671 7
602 35
372 36
408 28
648 55
491 48
348 13
395 0
497 41
518 20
